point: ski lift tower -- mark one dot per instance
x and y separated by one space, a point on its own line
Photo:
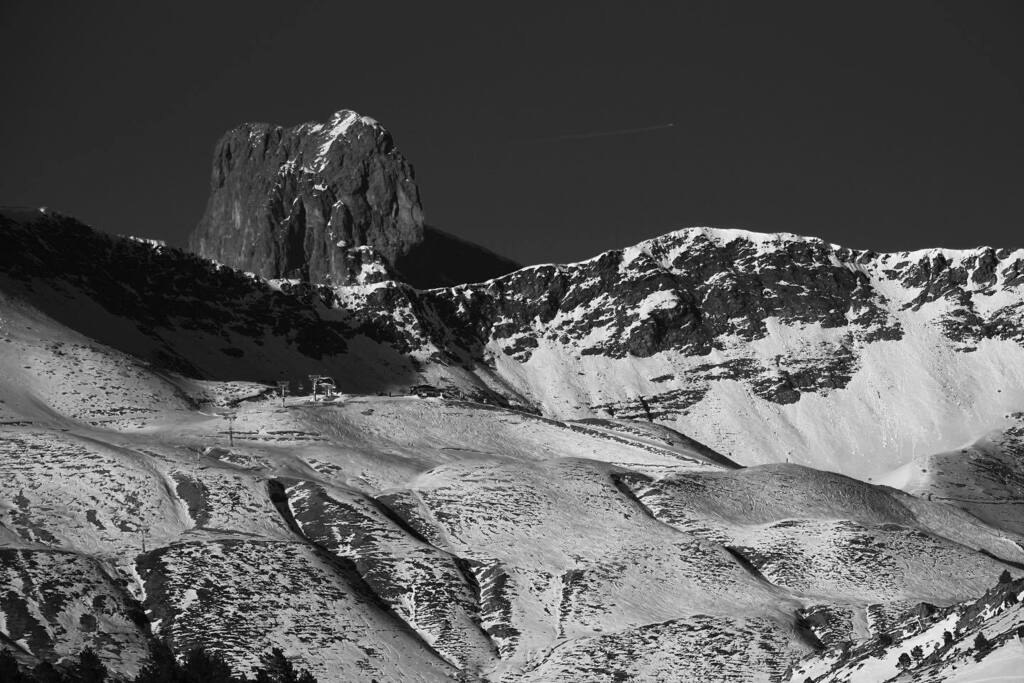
282 388
314 380
328 386
231 416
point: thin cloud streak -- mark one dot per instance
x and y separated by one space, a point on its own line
600 134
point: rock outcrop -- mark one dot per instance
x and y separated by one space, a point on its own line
304 202
387 538
976 640
707 331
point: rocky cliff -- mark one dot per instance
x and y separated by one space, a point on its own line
149 490
713 331
306 201
708 331
972 642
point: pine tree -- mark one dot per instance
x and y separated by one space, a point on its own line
1005 577
9 670
917 652
162 667
198 666
44 672
947 638
904 661
981 642
201 666
278 668
89 668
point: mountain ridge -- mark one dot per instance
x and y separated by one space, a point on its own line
472 527
701 329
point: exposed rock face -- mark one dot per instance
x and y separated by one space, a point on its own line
289 202
380 538
975 640
299 202
712 294
706 330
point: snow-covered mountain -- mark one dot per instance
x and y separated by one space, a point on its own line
713 331
714 455
710 331
971 642
533 525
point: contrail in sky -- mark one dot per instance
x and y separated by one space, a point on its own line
602 133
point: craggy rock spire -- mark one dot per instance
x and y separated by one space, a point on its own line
305 202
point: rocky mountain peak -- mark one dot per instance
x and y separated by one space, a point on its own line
295 201
305 201
552 510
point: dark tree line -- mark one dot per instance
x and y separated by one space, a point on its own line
88 669
197 666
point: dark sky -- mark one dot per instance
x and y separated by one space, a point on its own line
886 125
